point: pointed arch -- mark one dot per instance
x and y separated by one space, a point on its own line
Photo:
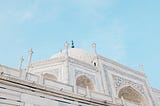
84 82
132 95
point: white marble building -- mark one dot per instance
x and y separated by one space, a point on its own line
75 77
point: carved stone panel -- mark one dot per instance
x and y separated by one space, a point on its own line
120 82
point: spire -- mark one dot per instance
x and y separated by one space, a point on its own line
29 58
66 45
72 44
66 49
94 48
21 61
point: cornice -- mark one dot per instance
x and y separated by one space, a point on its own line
121 66
122 73
48 61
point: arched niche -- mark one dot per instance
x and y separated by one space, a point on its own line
132 96
84 82
49 76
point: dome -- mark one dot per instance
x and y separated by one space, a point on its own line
78 54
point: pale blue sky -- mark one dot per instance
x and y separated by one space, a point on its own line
126 31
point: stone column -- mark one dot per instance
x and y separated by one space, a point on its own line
22 72
88 92
122 100
99 68
66 63
66 49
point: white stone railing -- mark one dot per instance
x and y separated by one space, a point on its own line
32 77
100 96
93 94
81 91
129 103
9 71
23 75
118 101
48 82
57 85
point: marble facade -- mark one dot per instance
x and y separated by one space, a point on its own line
74 77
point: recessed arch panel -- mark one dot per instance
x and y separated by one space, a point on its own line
84 82
49 76
130 94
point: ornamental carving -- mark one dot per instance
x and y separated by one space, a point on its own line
122 73
130 76
121 82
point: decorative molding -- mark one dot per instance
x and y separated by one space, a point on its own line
123 73
121 66
132 77
47 62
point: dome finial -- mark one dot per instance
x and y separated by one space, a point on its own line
72 44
